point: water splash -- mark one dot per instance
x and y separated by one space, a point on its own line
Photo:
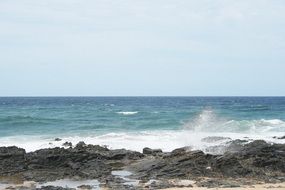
209 121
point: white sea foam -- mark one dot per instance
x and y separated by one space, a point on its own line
208 121
206 124
166 140
127 112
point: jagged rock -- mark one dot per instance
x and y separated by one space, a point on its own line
255 160
282 137
80 145
180 151
86 187
67 144
54 188
215 183
151 151
213 139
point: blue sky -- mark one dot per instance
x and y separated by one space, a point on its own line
142 47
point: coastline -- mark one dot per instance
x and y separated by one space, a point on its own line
242 165
279 186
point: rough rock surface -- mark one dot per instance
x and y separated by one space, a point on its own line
258 160
151 151
83 161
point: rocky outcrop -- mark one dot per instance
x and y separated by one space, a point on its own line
151 151
257 160
84 161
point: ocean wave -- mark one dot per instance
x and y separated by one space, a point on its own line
127 112
208 121
167 140
15 120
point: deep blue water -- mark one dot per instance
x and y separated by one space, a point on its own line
100 115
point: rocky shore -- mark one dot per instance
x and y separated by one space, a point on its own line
240 163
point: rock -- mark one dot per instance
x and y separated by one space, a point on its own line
215 139
86 187
11 159
151 151
159 184
80 145
11 151
256 160
230 166
231 146
275 137
217 183
180 151
57 139
282 137
54 188
67 144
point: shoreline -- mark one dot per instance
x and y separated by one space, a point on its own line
241 166
279 186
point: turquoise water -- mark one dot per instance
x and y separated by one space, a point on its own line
107 118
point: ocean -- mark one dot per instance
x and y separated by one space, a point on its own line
137 122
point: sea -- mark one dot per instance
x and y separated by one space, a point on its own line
136 122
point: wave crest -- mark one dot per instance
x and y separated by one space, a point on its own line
127 112
208 121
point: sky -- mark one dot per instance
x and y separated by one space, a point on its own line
142 48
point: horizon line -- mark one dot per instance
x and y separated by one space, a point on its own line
146 96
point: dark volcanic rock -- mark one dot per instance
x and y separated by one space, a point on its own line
229 166
54 188
11 159
161 184
57 139
151 151
213 139
85 187
282 137
84 161
257 160
180 151
215 183
80 145
67 144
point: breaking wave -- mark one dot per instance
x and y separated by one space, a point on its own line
208 121
206 124
127 112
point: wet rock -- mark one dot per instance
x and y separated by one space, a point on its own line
11 151
228 165
255 160
217 183
231 146
180 151
80 145
159 184
67 144
235 145
282 137
57 139
54 188
11 159
151 151
85 187
215 139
